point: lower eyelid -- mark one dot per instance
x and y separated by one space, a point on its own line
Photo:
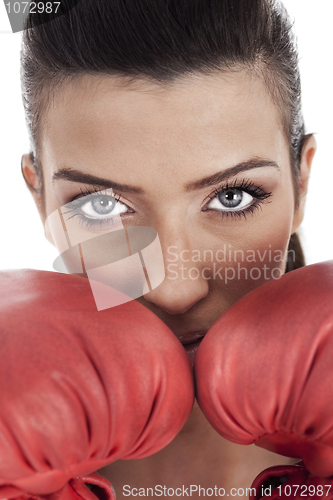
242 212
96 225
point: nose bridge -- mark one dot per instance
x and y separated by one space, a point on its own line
184 284
177 240
176 243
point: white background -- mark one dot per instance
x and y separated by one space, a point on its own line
22 241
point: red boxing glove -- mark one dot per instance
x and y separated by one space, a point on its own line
81 388
264 372
91 487
290 481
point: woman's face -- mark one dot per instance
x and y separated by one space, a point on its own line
204 162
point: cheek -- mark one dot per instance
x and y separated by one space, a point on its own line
248 255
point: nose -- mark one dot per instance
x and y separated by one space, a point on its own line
184 284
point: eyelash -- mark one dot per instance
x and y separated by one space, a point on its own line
257 192
78 201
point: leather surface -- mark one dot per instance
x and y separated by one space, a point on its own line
264 372
81 388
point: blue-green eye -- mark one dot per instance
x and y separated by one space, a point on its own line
97 210
103 206
230 199
238 199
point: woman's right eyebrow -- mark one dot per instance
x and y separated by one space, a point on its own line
73 175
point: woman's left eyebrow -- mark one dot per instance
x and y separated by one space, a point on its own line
231 172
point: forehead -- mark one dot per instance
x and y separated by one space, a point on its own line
195 120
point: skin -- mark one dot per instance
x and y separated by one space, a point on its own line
162 140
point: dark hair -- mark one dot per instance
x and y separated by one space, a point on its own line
163 40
